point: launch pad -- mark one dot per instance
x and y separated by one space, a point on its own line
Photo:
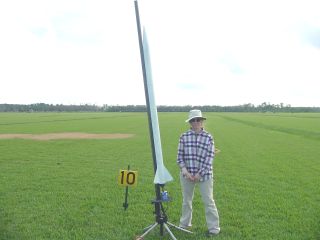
162 175
161 219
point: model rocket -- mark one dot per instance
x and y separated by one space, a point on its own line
162 175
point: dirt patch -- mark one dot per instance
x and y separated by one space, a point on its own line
66 135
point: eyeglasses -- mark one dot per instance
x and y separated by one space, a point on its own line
196 120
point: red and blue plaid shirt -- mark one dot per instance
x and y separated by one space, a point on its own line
196 153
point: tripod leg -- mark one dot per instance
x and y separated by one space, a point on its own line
149 230
169 231
161 229
146 228
180 228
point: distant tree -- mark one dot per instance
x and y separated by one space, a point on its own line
248 107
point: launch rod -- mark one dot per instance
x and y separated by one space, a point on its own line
147 96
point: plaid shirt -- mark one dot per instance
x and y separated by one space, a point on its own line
196 153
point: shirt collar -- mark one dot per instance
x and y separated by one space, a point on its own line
191 130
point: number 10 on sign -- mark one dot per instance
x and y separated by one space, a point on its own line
128 178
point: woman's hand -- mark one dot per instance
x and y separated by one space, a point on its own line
187 174
197 177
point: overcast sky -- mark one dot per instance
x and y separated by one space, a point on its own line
203 52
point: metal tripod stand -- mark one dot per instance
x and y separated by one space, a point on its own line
161 218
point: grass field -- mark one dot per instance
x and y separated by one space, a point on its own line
267 176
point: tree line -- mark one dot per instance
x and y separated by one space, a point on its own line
263 107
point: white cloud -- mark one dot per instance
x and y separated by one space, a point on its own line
204 52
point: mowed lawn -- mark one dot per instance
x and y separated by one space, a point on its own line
267 176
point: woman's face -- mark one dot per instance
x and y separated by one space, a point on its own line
196 124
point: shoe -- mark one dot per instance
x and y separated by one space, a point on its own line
212 234
185 227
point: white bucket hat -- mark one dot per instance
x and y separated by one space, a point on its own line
195 113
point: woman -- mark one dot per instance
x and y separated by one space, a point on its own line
195 157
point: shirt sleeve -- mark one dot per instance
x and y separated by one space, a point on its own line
207 164
180 158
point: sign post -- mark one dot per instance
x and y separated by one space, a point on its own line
127 178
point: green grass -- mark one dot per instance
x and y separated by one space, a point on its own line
266 176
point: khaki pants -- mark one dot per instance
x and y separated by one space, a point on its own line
206 189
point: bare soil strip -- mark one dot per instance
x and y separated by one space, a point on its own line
66 135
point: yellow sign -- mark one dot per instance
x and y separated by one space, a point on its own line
128 178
